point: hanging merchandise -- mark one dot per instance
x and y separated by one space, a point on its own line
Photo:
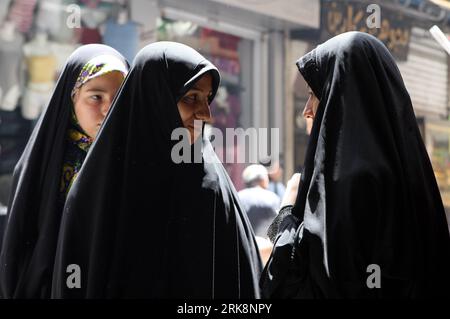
52 17
48 13
62 51
145 13
4 6
123 35
21 13
10 66
94 13
41 66
89 36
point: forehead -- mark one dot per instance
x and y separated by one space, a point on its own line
204 83
110 79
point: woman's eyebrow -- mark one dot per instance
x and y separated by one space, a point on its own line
196 88
96 89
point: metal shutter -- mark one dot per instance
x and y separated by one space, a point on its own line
425 75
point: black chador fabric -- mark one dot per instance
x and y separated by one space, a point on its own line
35 209
137 224
368 196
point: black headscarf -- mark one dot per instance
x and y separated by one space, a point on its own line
137 224
34 211
368 194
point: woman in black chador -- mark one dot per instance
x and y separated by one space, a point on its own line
368 219
139 224
50 163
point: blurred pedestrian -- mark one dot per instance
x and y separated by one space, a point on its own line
275 179
259 203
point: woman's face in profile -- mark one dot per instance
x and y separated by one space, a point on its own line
309 113
194 106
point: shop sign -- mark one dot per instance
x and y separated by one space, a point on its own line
393 28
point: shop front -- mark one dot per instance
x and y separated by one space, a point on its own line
437 140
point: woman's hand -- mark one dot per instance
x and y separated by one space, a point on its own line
291 190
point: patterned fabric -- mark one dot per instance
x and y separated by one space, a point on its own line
99 65
88 71
78 144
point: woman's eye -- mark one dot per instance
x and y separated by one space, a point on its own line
190 99
96 98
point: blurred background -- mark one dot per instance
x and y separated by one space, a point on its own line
254 43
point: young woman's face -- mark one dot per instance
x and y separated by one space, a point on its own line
93 100
309 113
194 105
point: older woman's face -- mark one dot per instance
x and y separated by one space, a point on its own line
194 106
309 113
93 100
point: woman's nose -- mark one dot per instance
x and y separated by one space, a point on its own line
203 112
308 111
